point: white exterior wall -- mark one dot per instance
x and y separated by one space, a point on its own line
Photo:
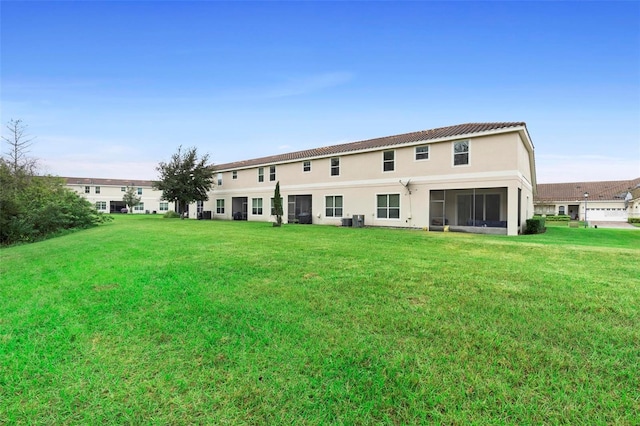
498 163
110 193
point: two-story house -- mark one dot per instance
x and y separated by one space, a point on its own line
476 177
107 194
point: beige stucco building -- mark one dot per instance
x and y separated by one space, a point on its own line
106 194
598 201
476 177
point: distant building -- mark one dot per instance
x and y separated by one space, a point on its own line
613 201
106 194
476 177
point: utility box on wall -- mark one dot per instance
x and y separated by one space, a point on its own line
358 221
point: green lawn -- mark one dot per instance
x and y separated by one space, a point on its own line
149 320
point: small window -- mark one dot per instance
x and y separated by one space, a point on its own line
219 179
388 161
101 205
139 191
335 166
388 206
123 189
164 206
220 206
461 153
561 210
272 173
260 174
139 207
306 166
234 175
422 152
97 189
256 206
333 205
87 189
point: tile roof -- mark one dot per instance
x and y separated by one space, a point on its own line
106 182
424 135
573 191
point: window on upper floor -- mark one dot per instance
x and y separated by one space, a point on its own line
260 174
123 189
97 189
139 191
461 153
306 166
87 189
388 206
335 166
272 173
422 152
234 175
388 161
333 205
219 179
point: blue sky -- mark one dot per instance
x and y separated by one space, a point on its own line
112 88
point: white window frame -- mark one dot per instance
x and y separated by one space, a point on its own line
333 167
123 189
260 174
256 206
416 153
388 207
139 191
220 206
306 166
87 190
467 152
163 206
331 211
272 173
219 179
138 207
386 162
101 205
234 175
97 189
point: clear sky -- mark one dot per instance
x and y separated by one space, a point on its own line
110 89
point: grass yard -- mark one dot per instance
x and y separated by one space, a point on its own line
149 320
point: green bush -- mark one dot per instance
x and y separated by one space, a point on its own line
634 220
535 225
556 217
171 215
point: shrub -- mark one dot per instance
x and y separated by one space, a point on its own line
634 220
557 218
171 215
535 226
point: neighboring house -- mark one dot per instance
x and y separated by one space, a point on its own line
106 194
614 201
476 177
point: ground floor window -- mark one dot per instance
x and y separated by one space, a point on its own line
164 206
545 209
101 205
256 206
561 210
388 206
139 207
333 206
220 206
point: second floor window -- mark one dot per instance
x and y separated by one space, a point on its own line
234 175
461 153
422 152
272 173
87 189
306 166
388 161
260 174
97 189
219 179
335 166
139 191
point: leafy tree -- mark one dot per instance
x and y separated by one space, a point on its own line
186 178
131 198
33 207
277 205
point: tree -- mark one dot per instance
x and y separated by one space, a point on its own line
277 205
16 155
185 179
130 198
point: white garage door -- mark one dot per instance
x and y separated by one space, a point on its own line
608 215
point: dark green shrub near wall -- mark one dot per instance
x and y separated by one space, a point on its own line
535 225
555 218
634 220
